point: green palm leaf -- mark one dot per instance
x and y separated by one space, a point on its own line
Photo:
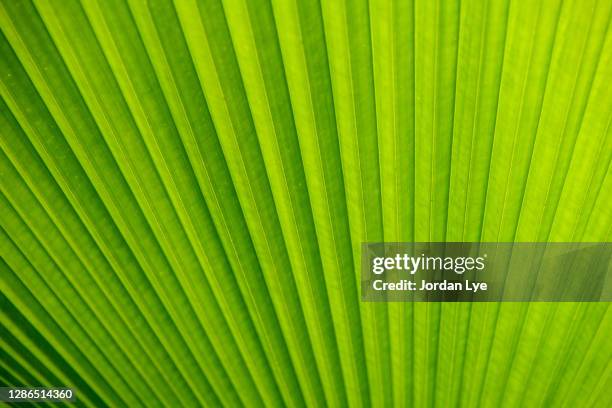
185 187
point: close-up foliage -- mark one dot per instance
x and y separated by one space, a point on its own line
185 188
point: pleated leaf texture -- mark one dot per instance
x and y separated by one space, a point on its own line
185 188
